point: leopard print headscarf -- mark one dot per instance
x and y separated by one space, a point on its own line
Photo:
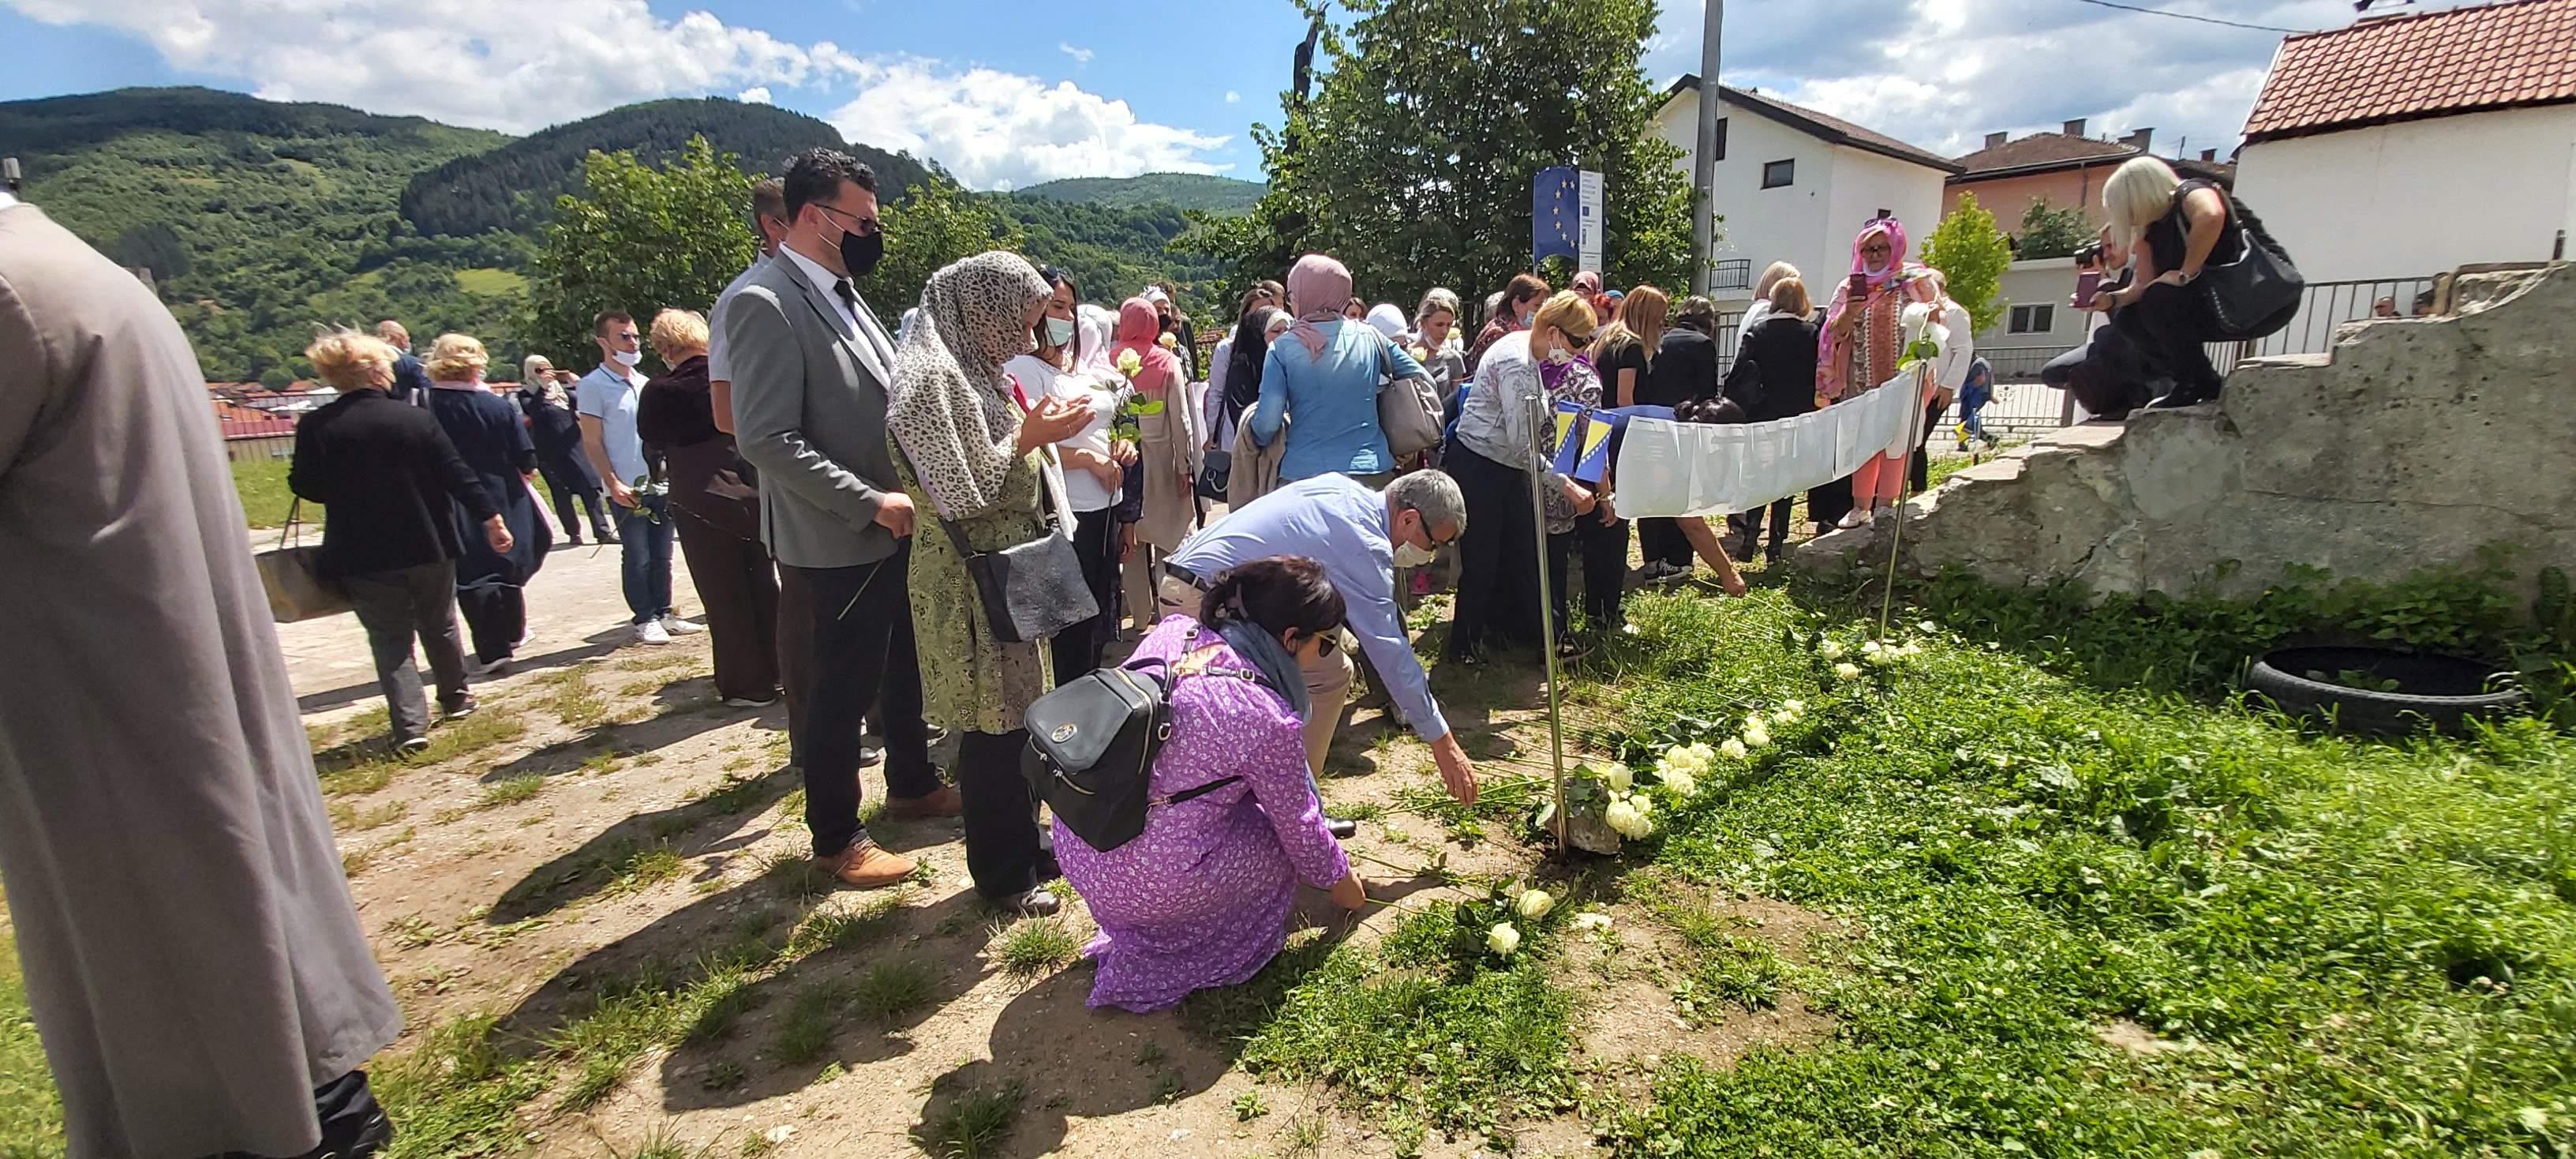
950 409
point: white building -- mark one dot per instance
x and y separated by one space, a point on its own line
2408 145
1795 184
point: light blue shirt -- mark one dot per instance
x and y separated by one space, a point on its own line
719 363
1333 399
609 395
1337 522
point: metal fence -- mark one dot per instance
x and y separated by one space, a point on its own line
1732 274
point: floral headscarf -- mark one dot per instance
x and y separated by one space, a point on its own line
950 408
1140 330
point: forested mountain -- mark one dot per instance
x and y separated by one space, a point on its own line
514 186
259 220
1224 196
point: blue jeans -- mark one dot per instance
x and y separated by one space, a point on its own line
647 548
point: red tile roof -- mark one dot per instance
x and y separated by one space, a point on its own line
2051 152
2431 64
241 422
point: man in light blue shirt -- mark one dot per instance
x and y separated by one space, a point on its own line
606 400
1360 536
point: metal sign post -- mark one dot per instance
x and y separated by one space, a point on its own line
1542 421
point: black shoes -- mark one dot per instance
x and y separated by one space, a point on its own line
2187 394
1036 903
1340 829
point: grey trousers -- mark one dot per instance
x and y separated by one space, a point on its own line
394 606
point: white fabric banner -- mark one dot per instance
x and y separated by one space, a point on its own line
1670 470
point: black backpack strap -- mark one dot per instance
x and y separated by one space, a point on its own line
1195 794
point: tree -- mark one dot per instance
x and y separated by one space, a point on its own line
938 224
1972 255
1413 162
2052 233
640 240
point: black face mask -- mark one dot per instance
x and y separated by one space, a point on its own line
860 252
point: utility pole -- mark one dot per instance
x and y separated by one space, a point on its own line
1704 157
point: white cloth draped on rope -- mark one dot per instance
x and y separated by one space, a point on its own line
1672 470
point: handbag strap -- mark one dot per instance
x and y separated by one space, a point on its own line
294 507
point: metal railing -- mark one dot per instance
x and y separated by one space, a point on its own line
1732 274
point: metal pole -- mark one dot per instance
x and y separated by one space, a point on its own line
1704 157
1540 414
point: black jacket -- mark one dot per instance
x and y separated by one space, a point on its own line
1685 368
1774 376
383 472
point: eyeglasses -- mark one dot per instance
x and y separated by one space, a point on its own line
861 226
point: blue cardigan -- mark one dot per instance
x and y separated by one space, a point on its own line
1334 399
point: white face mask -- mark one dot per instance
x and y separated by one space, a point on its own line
628 358
1407 555
1560 356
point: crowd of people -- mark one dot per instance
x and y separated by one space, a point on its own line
840 492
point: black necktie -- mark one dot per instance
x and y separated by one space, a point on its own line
849 296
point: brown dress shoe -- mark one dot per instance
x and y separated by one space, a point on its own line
865 866
940 802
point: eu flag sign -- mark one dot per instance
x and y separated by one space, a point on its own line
1556 215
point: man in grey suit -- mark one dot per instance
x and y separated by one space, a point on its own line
809 369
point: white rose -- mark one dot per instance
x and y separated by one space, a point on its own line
1622 818
1871 648
1847 670
1756 736
1928 627
1733 749
1794 707
1534 904
1830 650
1503 939
1681 782
1620 778
1641 804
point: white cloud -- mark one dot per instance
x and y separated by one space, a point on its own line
1232 97
1079 55
1943 73
991 128
516 66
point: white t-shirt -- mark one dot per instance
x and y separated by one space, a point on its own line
1038 380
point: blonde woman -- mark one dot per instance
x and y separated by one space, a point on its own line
545 396
386 476
488 434
714 508
2174 228
1499 446
1624 352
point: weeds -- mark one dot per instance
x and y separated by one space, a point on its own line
806 1031
973 1124
349 818
889 989
1034 946
572 700
511 791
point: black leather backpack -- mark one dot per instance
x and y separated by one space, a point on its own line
1092 744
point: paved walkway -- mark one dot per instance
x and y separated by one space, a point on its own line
574 606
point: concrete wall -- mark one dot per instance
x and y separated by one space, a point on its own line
2008 198
2414 443
1811 222
2411 198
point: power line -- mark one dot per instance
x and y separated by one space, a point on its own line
2189 16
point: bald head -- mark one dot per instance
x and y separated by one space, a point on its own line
393 333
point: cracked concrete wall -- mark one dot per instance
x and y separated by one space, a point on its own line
2416 442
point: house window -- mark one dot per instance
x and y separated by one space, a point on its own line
1778 173
2032 320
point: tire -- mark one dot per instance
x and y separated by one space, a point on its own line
2440 691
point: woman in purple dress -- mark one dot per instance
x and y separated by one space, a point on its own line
1200 898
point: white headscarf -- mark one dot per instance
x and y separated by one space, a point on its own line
1387 319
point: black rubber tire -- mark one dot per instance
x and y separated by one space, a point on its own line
2443 706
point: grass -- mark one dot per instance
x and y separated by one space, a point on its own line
890 989
1034 947
261 483
348 817
974 1123
359 768
569 696
356 861
511 791
806 1031
31 1114
488 282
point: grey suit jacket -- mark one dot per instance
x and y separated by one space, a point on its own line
809 408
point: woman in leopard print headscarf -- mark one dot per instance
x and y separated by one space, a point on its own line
969 452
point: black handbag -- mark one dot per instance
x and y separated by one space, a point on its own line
1092 744
2256 295
1215 472
1029 591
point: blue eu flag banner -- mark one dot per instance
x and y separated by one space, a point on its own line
1556 219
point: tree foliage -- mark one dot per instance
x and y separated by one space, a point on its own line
1413 163
515 186
938 224
638 239
1972 255
2048 232
1208 194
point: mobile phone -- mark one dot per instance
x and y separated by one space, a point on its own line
2087 284
1858 287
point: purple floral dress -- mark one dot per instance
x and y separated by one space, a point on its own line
1201 897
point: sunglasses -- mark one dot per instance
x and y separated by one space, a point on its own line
862 226
1328 639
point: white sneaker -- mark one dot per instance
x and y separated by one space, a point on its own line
650 632
679 627
1852 518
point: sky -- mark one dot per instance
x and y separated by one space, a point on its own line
1009 93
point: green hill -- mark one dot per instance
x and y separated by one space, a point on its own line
515 185
1224 196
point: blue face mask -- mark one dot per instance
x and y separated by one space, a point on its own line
1059 332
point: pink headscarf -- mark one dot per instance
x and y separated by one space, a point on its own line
1140 329
1831 356
1318 288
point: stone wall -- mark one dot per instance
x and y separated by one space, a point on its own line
2413 443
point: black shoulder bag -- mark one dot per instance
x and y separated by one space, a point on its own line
2258 293
1093 741
1029 591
